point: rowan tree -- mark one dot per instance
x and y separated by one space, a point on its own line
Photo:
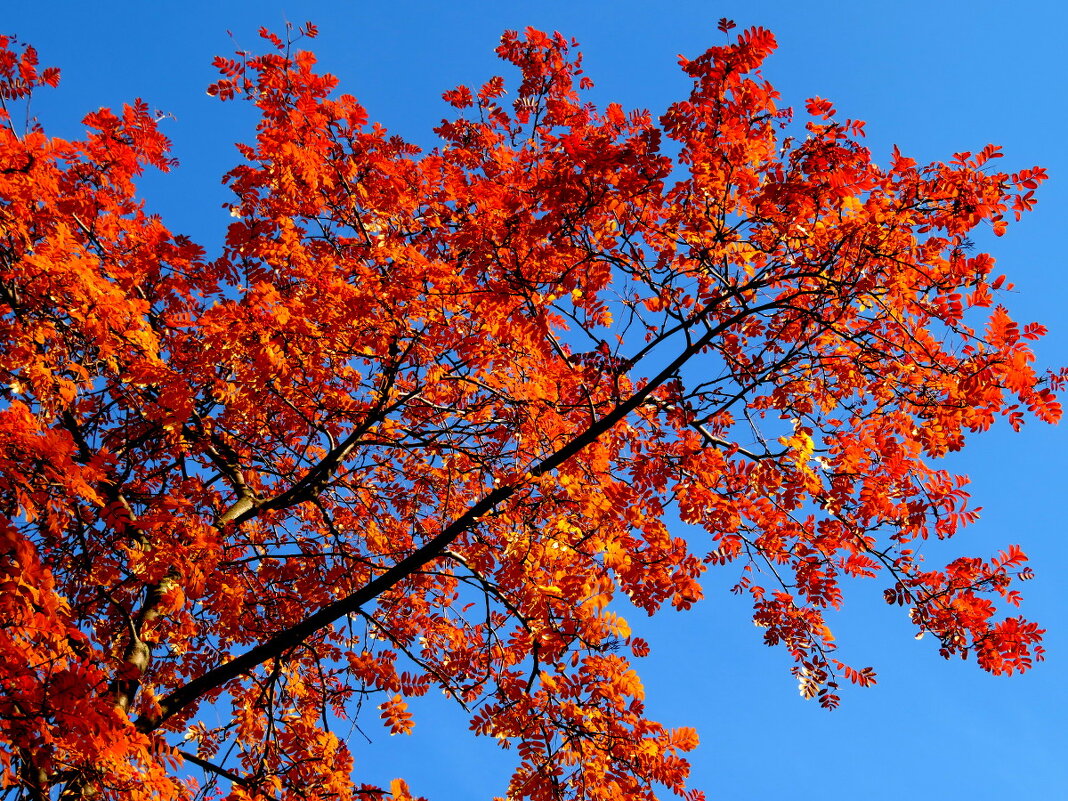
425 421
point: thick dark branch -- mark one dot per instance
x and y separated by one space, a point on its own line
288 639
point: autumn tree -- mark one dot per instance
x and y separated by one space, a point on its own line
425 420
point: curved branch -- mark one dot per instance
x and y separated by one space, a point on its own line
293 636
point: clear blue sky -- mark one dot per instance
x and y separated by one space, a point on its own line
934 78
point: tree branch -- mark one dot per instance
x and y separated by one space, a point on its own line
293 636
218 770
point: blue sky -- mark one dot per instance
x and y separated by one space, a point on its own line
932 77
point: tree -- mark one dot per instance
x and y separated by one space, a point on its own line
426 421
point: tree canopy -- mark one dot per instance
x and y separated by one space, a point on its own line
429 418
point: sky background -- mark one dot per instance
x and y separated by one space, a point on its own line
931 77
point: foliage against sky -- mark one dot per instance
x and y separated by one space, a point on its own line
424 403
